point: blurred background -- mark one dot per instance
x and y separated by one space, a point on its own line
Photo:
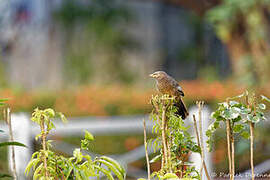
91 58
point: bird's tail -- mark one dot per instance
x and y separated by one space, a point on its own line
182 110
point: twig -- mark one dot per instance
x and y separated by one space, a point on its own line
232 146
251 149
251 125
165 152
200 105
159 122
228 131
43 135
146 152
198 141
8 119
169 151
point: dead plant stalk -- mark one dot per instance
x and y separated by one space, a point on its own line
146 150
199 144
8 119
251 149
228 131
163 129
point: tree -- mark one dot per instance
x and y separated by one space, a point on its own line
243 26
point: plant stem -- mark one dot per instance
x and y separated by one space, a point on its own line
8 119
43 136
198 141
200 106
146 152
169 155
163 132
232 146
251 149
228 130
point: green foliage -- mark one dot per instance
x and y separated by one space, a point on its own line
5 176
236 23
11 144
86 141
240 112
223 16
180 143
80 166
44 118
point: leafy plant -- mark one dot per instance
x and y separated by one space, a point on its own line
173 140
9 143
48 165
238 113
236 24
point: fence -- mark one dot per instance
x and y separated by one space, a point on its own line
25 130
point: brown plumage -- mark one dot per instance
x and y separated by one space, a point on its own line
167 85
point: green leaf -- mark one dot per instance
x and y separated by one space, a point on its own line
5 176
106 172
232 103
250 117
1 131
265 98
50 112
215 114
37 136
156 158
262 106
117 171
84 144
170 176
115 164
245 110
62 117
245 134
88 136
231 113
78 155
37 172
256 119
238 128
31 164
12 144
235 111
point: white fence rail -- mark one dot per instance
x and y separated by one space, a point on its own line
24 132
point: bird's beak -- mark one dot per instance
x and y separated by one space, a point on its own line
152 75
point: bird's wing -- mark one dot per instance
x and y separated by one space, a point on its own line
176 85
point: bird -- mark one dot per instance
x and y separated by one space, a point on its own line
168 85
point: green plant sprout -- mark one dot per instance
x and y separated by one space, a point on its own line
173 140
47 165
238 114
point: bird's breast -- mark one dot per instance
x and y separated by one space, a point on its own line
165 88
